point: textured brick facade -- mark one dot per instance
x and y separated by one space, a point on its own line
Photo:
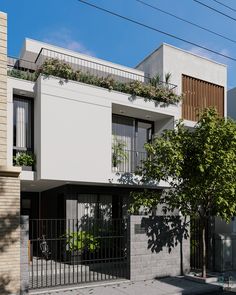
9 188
9 233
3 89
150 254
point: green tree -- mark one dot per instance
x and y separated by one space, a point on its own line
200 167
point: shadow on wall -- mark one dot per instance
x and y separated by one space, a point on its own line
166 232
9 223
131 179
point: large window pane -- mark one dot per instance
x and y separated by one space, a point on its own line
133 133
22 123
123 129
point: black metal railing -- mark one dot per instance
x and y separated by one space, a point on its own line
21 69
71 251
129 162
196 244
27 70
97 69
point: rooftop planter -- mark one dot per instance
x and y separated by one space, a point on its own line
154 90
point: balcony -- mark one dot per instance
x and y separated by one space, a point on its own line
101 74
128 161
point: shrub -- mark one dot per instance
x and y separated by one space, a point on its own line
24 159
154 91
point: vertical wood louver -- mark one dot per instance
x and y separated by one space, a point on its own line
199 94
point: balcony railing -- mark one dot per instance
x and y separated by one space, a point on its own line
21 69
24 69
130 162
122 79
97 69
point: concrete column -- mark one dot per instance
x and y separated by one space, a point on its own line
9 188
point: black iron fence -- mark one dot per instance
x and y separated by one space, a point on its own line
71 251
196 244
129 161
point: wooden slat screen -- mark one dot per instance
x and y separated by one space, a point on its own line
199 94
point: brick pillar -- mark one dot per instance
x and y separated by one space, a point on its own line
3 89
9 188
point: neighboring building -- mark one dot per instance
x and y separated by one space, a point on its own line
231 105
87 142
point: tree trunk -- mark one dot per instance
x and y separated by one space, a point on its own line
204 248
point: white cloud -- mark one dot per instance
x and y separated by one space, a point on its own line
63 38
211 55
201 52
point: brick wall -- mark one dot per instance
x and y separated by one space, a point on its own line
9 188
153 252
3 89
9 234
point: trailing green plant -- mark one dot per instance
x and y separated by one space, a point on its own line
118 152
81 241
25 75
58 68
155 90
24 159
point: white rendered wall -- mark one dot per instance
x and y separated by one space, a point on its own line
73 129
153 64
177 62
231 97
75 133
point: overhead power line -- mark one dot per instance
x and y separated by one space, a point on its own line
218 11
186 21
229 7
155 29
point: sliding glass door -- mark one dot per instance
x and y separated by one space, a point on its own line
129 137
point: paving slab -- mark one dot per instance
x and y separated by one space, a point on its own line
167 286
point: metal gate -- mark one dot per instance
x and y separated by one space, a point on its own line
66 252
196 244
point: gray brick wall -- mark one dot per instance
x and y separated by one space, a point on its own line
155 247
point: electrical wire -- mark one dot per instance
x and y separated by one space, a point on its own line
229 7
186 21
155 29
218 11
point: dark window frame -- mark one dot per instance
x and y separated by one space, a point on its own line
31 103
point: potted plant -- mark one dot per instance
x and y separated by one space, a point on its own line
78 243
25 160
118 153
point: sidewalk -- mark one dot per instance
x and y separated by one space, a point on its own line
166 286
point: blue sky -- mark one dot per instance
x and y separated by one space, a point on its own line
76 26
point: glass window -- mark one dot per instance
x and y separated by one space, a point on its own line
22 123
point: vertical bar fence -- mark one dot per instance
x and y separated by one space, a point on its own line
64 252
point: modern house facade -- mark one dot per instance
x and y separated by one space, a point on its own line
73 129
